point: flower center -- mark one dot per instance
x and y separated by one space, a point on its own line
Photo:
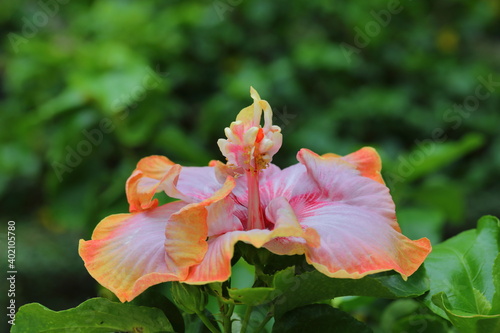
249 148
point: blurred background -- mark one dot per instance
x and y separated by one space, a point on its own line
87 88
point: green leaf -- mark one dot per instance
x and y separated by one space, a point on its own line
258 315
443 194
156 297
420 323
464 275
94 315
496 281
408 315
296 290
437 155
195 325
252 296
417 223
64 102
190 150
321 317
467 322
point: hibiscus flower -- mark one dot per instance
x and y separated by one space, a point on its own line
334 210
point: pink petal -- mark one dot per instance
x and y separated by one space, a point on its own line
130 252
157 173
221 218
198 183
282 214
289 182
339 181
356 241
216 266
366 160
127 252
355 218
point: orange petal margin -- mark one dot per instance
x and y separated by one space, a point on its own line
366 160
184 229
127 253
153 174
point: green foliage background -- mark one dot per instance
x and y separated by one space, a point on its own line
165 77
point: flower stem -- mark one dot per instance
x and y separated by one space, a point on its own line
246 319
264 322
207 322
226 317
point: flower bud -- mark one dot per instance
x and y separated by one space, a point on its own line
189 298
